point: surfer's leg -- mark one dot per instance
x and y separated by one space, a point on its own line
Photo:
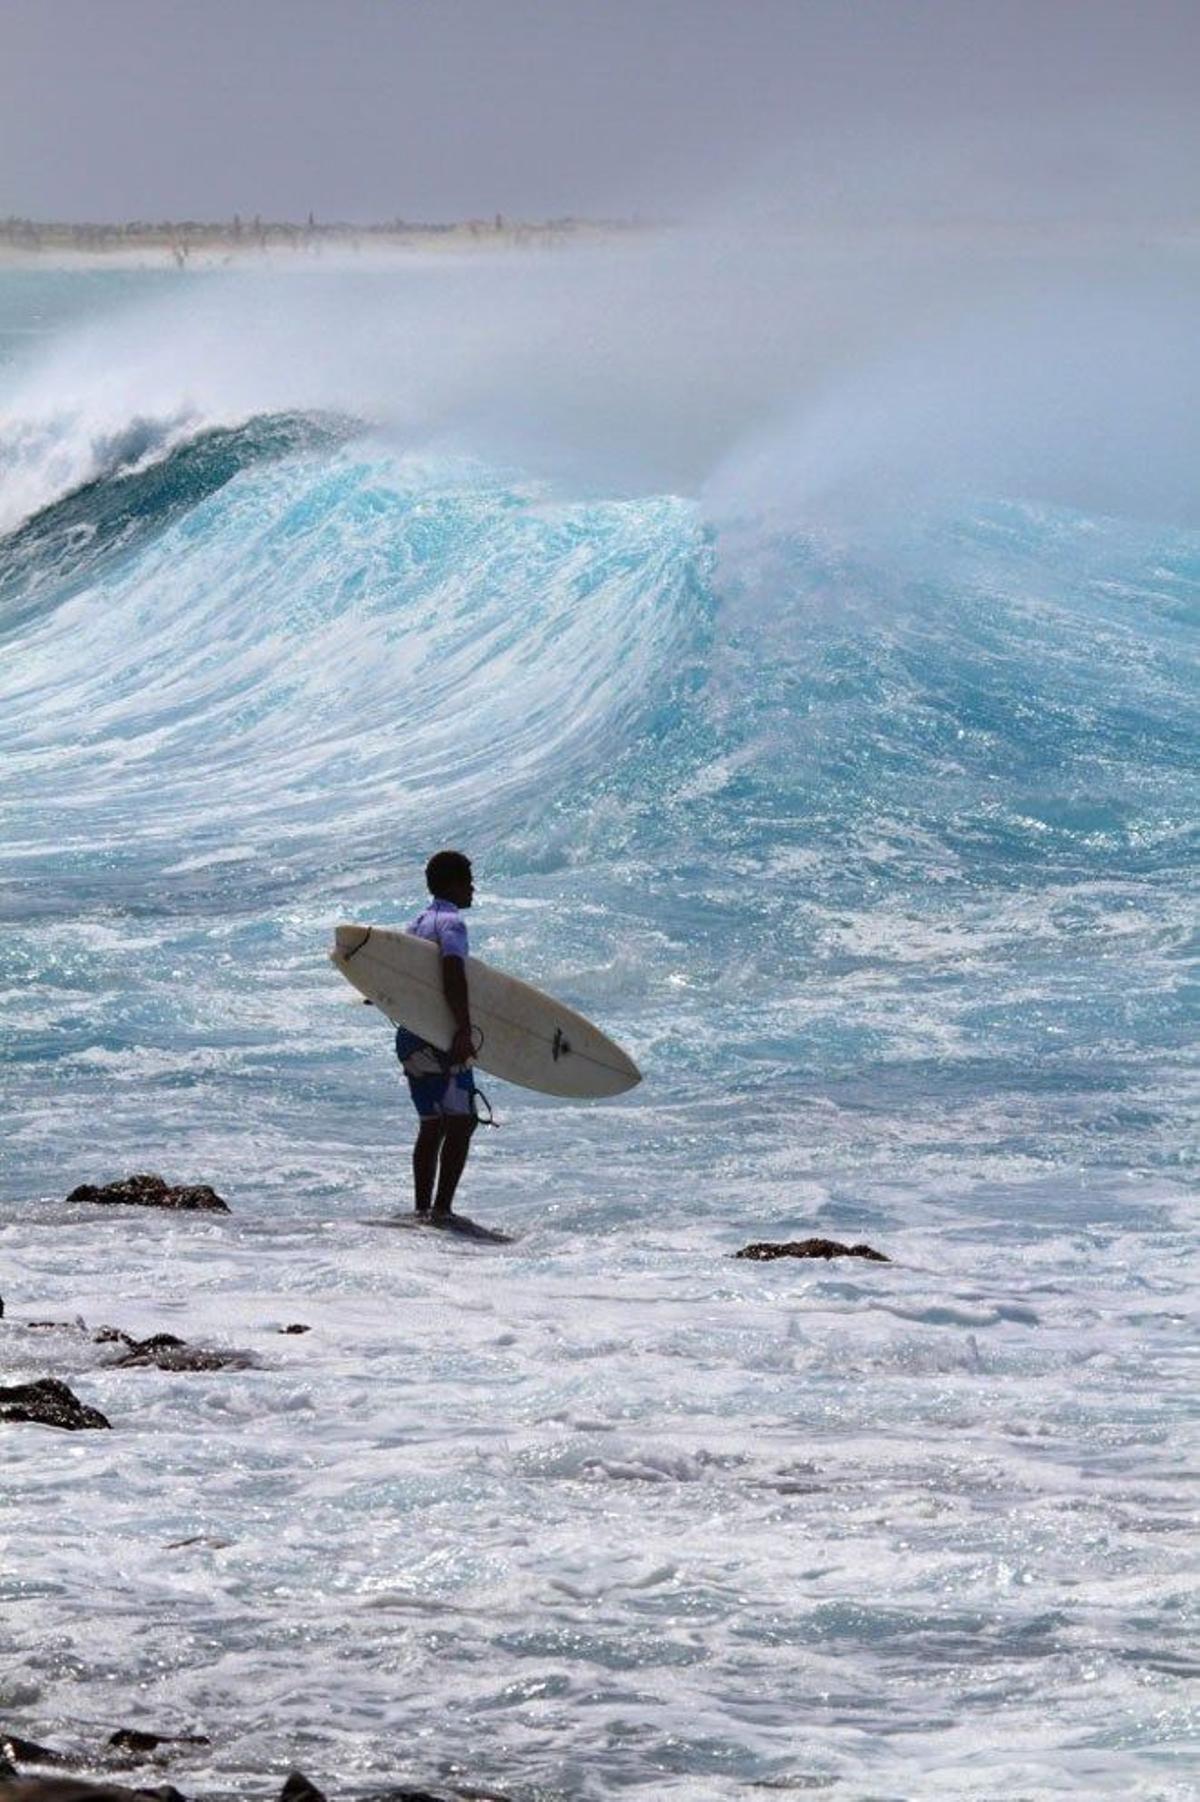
458 1123
422 1067
425 1160
456 1142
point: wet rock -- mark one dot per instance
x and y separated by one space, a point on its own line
131 1745
27 1751
297 1326
809 1248
150 1191
74 1789
420 1795
48 1403
298 1789
165 1352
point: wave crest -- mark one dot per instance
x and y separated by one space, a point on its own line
147 474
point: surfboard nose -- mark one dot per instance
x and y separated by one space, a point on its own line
347 939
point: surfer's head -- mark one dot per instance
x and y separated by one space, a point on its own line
448 874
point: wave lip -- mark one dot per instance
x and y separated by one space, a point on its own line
150 474
45 457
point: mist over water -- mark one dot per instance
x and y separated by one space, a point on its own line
799 630
799 364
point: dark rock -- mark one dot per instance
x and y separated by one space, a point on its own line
27 1751
165 1352
413 1795
49 1403
131 1744
149 1191
199 1197
809 1248
298 1789
74 1789
7 1771
297 1326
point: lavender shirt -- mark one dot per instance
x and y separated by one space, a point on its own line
442 922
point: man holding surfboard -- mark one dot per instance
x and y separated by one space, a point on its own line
419 979
442 1084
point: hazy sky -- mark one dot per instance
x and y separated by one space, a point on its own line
439 109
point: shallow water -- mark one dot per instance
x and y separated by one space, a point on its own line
877 850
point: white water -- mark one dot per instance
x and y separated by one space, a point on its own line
606 1509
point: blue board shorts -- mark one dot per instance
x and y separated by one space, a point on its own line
439 1090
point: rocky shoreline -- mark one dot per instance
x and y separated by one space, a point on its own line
31 1772
49 1402
131 1749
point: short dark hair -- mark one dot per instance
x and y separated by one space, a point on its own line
447 866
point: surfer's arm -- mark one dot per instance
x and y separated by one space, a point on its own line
454 987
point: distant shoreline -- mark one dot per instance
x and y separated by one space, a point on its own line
238 245
256 243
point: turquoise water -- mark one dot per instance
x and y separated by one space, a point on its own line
871 832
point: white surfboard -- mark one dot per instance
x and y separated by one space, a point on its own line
527 1037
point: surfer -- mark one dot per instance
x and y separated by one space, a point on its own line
442 1084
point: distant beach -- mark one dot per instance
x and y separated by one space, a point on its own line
248 243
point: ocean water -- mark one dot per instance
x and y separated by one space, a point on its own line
866 820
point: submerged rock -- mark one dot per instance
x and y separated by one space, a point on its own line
75 1789
48 1403
150 1191
297 1326
157 1342
165 1352
297 1788
809 1248
429 1795
130 1745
